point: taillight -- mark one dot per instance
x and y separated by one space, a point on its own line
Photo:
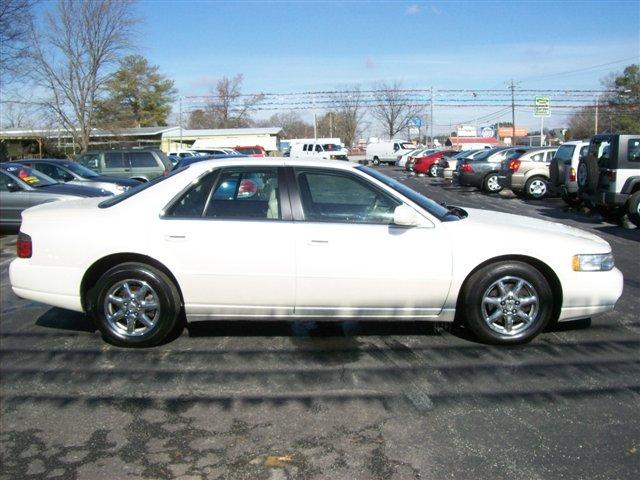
572 175
611 175
514 165
466 168
23 246
165 173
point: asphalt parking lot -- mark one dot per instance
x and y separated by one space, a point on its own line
284 400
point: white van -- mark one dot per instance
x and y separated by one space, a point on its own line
320 150
388 151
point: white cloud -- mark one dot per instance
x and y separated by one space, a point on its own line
412 9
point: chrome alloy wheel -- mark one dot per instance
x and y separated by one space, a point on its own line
538 188
492 183
131 308
510 306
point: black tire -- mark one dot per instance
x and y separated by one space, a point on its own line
588 174
612 214
488 186
531 190
433 170
472 302
168 300
633 208
557 172
376 161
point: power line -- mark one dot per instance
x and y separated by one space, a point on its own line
579 70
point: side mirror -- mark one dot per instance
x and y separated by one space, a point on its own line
405 216
13 187
67 177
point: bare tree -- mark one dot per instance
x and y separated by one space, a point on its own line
74 57
393 108
15 17
291 123
349 108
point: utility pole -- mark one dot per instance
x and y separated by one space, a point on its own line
513 113
596 127
431 118
180 120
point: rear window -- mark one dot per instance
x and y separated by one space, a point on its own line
565 153
137 189
142 160
633 150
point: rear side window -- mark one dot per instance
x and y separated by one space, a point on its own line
249 194
90 160
142 160
633 150
537 157
114 160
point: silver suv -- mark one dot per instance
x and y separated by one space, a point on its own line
609 177
563 170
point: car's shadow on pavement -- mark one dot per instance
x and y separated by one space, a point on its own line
305 332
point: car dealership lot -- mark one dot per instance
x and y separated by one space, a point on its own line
340 400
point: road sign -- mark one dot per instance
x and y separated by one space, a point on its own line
415 122
487 132
541 107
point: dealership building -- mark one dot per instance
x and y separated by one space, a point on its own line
18 143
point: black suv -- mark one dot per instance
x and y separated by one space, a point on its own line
609 176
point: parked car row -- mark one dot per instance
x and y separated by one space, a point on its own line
603 173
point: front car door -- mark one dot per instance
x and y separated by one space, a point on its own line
12 202
230 240
352 261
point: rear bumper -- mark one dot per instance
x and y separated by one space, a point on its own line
56 286
606 198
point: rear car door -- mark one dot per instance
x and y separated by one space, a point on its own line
349 253
144 165
230 238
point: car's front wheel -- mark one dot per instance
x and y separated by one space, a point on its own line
507 303
376 161
633 208
433 170
135 305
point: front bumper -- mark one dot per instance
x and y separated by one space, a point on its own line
589 293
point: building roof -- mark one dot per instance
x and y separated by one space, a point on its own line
215 132
464 140
96 132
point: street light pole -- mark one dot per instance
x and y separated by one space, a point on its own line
180 120
595 132
431 118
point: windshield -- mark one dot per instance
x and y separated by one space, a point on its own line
564 153
80 170
250 150
31 177
331 147
435 209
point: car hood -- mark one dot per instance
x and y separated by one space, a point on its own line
75 190
525 228
125 182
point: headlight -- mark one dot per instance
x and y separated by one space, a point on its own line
121 188
597 262
333 157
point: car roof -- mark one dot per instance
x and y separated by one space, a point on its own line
40 160
242 161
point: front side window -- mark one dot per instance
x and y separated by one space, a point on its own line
53 171
250 194
329 196
90 160
142 160
5 180
601 150
318 148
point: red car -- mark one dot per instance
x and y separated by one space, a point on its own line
429 163
252 151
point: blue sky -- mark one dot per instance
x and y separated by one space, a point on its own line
300 46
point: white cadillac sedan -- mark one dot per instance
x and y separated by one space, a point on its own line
277 238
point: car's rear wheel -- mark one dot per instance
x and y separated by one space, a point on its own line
135 305
490 183
633 208
507 303
376 161
433 170
536 187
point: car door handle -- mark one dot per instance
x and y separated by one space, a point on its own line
175 238
318 242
